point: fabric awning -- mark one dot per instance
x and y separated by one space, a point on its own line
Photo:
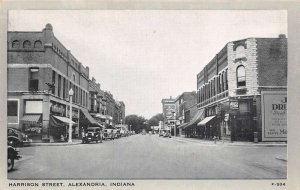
100 116
31 119
196 118
183 125
205 120
89 120
64 119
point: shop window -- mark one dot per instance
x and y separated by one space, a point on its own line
26 44
15 44
33 79
241 76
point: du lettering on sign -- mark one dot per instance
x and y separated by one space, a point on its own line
274 116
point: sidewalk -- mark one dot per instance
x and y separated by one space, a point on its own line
74 142
229 143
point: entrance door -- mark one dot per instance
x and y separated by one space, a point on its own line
243 129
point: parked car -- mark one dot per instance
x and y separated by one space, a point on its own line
167 134
117 133
92 134
16 138
12 155
108 134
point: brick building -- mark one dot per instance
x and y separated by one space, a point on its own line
183 102
238 87
169 113
41 71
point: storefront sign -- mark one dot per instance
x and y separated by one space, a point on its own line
274 116
234 105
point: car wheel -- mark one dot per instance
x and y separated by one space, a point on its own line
10 164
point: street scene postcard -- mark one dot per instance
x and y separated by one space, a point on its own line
107 98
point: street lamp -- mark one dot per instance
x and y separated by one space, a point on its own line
71 93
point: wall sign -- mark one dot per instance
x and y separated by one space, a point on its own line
234 105
274 116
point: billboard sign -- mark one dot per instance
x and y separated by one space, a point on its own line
274 116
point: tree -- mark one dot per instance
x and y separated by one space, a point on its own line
154 120
137 122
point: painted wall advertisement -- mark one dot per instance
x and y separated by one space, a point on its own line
274 116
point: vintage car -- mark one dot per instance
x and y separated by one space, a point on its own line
109 134
12 155
17 138
117 133
92 134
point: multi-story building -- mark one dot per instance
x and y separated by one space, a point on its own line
169 113
242 91
40 73
182 103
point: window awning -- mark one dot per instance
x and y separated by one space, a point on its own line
100 116
64 119
183 125
31 119
88 120
196 118
205 120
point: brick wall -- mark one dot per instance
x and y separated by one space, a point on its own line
248 61
272 62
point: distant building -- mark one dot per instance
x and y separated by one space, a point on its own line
169 112
183 102
242 91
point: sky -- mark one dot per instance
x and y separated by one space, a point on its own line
143 56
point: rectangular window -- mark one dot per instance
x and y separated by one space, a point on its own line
53 82
59 86
33 79
13 111
83 98
64 88
12 108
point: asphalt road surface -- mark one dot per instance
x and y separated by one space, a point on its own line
150 157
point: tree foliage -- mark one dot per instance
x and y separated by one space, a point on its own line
154 120
138 123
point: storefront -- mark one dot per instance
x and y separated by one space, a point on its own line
191 129
32 126
242 118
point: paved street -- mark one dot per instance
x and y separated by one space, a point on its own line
151 157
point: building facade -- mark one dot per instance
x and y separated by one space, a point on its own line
169 113
234 88
183 102
40 73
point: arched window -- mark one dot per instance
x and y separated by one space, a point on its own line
38 44
15 44
26 44
240 52
241 76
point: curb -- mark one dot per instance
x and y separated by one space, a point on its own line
55 144
233 144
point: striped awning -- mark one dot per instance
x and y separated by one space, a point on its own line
196 118
205 120
183 125
64 119
31 119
